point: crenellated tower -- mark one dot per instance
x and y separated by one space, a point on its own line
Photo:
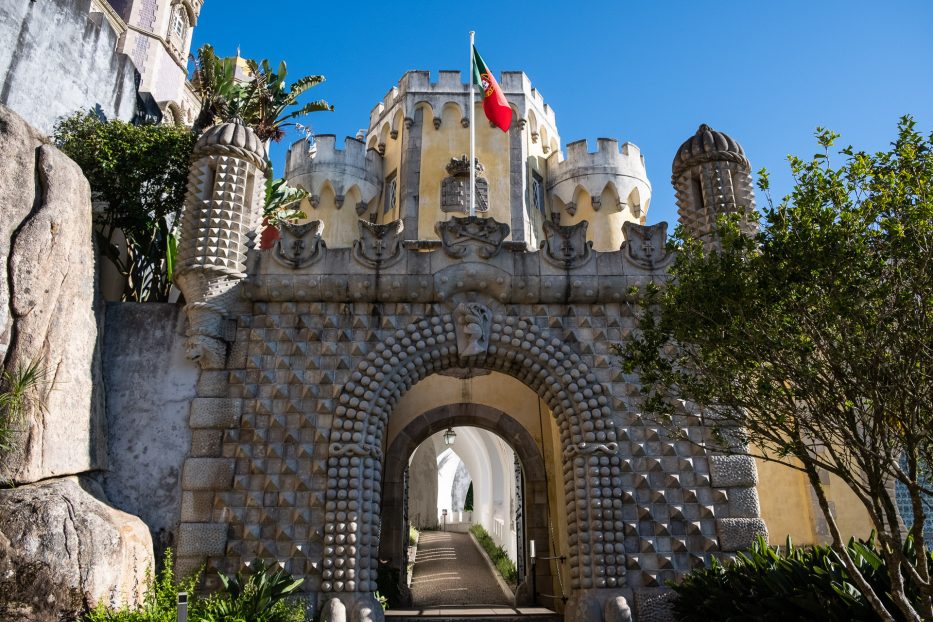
606 187
712 177
344 184
399 168
223 207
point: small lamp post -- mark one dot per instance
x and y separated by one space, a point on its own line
534 574
449 437
182 611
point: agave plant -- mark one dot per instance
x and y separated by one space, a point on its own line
267 100
258 596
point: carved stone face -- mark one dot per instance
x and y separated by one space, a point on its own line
208 352
472 323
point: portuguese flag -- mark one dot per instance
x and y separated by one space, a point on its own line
495 106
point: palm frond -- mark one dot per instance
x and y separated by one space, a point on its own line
315 106
303 84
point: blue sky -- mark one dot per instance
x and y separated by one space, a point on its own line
767 73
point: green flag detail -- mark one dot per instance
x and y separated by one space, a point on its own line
495 106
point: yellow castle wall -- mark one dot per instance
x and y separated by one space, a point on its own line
452 140
789 507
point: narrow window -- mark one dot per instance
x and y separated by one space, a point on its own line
697 194
178 29
390 192
537 192
207 187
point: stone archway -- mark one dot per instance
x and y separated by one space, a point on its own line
471 337
393 537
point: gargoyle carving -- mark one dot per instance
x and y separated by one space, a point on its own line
472 323
378 246
458 235
566 247
299 245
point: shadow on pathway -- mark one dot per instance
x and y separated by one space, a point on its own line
450 570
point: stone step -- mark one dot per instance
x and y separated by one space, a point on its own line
473 614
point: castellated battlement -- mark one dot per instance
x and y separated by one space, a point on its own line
608 153
451 86
353 165
620 167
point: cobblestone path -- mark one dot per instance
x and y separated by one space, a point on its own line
450 570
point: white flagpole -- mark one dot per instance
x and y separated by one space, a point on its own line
472 135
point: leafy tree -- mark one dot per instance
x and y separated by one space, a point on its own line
139 172
813 341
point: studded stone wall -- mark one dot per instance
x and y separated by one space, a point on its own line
287 443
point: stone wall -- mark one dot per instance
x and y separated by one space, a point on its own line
56 57
150 385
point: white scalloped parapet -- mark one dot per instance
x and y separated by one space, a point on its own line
416 87
622 168
354 165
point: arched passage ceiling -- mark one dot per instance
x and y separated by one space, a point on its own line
496 390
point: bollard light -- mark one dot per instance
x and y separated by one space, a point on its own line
532 546
182 607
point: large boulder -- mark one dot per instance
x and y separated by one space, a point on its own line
47 305
62 549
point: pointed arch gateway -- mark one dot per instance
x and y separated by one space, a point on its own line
514 346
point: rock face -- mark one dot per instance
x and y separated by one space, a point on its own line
47 309
62 548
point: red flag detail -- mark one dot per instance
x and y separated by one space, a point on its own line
495 106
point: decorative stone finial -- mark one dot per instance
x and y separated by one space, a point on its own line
708 145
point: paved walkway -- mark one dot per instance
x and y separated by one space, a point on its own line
450 570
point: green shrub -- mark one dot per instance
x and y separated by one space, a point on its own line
789 585
468 502
258 596
19 395
497 554
140 172
413 535
160 600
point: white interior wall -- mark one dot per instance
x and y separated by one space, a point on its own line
490 462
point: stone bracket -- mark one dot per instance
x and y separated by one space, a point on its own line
379 246
645 247
299 246
459 235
